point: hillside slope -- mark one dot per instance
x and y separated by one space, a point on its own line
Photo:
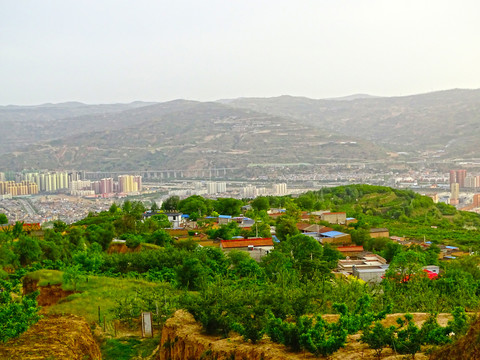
445 121
25 125
187 135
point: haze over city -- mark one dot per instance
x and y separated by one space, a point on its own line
119 51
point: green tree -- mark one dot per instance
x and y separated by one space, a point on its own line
192 274
127 206
16 316
260 203
252 325
3 219
154 206
378 337
133 241
138 208
114 208
72 275
50 250
28 250
405 264
305 201
244 266
102 235
18 229
433 333
171 204
307 255
160 237
161 220
320 337
258 229
360 236
90 260
194 216
228 206
194 203
459 324
59 226
76 236
285 226
225 231
408 338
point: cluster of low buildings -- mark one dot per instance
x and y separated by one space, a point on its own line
40 209
357 262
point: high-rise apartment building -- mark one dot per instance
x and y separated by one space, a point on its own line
216 187
249 191
476 200
454 193
18 188
106 186
138 180
472 181
279 189
260 191
221 187
79 185
129 183
211 187
95 187
458 176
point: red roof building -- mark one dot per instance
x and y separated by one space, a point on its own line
245 243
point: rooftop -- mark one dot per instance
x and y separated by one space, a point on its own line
350 248
240 243
332 234
373 230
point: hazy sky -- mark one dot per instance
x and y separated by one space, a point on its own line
121 51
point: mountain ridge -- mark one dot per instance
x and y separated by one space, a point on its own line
244 131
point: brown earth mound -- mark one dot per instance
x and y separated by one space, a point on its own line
51 294
54 337
467 347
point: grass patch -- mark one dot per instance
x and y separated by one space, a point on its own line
93 291
128 347
147 246
45 277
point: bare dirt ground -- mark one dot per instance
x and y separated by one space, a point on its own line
54 337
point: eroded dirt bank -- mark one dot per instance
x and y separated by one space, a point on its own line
54 337
182 339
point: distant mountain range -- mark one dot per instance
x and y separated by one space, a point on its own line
240 132
439 121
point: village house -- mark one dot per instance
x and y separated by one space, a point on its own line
335 238
334 217
379 232
256 248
